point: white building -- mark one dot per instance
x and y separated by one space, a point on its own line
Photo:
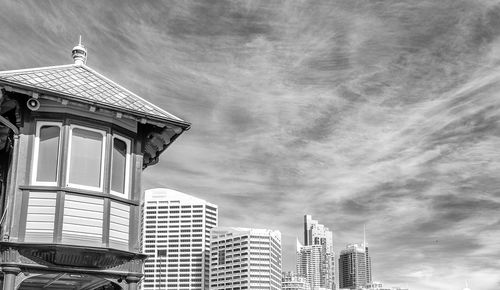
294 281
316 259
378 286
309 264
176 235
243 258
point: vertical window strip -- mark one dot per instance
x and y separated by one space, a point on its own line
46 153
120 166
86 161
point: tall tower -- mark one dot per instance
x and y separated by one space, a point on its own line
309 264
73 145
176 236
319 236
354 266
244 258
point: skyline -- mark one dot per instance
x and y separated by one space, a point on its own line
356 112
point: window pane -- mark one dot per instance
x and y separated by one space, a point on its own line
48 154
118 167
86 158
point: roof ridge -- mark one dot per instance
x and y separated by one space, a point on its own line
86 67
83 84
24 70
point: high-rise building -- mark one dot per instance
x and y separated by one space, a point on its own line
176 236
294 281
317 234
355 267
318 250
309 264
242 258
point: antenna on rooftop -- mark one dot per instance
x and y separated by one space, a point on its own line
364 235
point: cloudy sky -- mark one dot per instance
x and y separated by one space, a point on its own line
384 113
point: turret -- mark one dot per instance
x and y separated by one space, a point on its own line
73 145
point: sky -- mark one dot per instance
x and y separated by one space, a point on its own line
358 112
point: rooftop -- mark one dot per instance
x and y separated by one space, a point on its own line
167 194
78 82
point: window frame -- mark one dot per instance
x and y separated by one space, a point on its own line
103 159
127 180
36 153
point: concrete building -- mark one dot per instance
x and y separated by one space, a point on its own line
242 258
355 267
73 145
176 237
316 261
309 264
294 281
378 286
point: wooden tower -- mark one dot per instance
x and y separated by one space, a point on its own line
73 145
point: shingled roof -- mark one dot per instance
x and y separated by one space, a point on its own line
78 82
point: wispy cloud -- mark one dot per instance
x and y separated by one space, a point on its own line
376 112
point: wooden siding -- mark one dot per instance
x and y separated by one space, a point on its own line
40 217
119 223
82 220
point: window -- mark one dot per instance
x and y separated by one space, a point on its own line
120 166
85 161
86 158
46 159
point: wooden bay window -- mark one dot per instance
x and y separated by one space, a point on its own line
91 181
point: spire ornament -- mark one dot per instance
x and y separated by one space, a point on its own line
79 53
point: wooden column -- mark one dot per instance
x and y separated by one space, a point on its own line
9 277
132 282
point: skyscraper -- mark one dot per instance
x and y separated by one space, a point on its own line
309 264
243 258
318 249
176 235
355 266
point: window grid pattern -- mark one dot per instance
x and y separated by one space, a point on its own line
245 259
175 234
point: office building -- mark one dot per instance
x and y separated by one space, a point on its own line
243 258
316 261
355 267
294 281
176 236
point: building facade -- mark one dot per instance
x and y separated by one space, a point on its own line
294 281
176 237
317 238
355 267
308 264
73 145
243 258
378 286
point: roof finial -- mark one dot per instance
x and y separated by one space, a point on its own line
79 53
